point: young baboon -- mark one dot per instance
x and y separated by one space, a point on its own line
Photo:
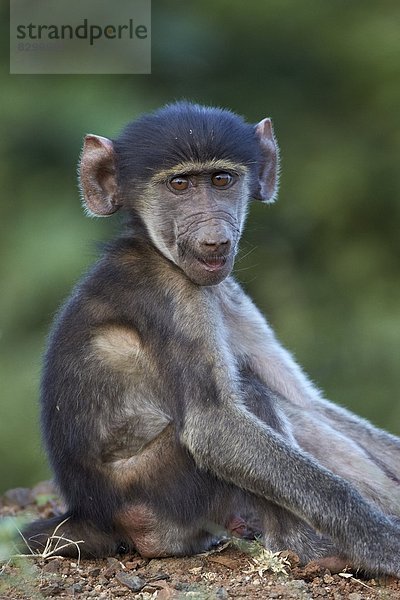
169 409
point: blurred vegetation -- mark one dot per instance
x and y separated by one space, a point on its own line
323 263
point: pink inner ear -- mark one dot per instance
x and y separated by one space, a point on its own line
99 141
268 176
264 129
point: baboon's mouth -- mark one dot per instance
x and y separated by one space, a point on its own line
206 269
213 263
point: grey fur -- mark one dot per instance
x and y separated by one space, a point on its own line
167 395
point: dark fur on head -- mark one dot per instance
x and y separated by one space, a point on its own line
184 132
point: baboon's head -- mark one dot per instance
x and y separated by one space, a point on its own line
187 173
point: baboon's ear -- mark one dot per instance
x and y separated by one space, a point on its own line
97 176
268 176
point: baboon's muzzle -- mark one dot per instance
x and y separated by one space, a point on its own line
208 254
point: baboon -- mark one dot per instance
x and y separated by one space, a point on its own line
170 411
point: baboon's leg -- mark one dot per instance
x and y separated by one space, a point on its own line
351 448
382 447
172 507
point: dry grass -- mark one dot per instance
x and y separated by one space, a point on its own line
54 544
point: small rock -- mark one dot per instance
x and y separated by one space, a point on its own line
221 594
160 584
21 496
182 586
354 596
113 567
313 570
147 589
166 593
95 572
76 588
299 584
53 566
51 590
136 563
133 582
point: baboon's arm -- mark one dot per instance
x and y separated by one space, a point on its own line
237 447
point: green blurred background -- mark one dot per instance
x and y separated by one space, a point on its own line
322 263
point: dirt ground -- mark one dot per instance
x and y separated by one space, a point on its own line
234 571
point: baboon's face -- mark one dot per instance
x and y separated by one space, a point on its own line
196 218
186 173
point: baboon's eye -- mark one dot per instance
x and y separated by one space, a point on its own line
222 179
179 183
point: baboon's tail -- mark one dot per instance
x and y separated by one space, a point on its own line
68 536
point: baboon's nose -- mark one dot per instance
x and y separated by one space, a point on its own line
221 245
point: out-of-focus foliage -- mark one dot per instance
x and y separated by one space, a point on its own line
323 263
